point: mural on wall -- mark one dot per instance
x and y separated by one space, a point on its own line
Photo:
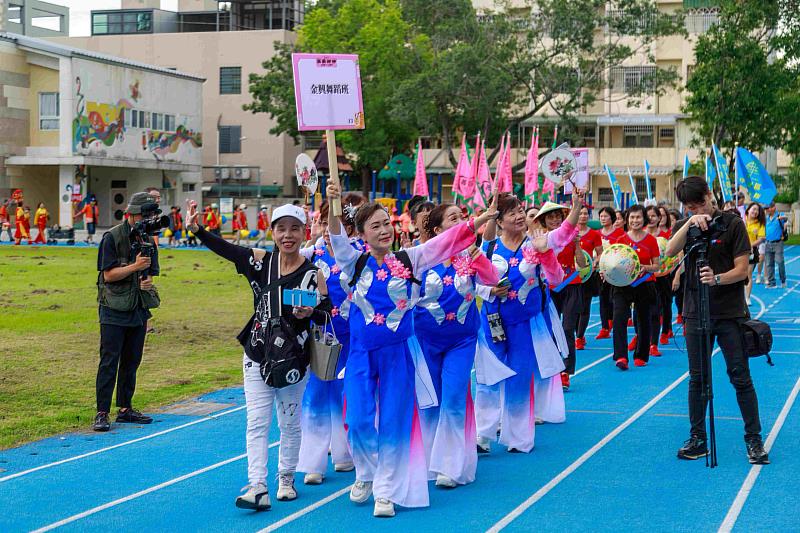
97 123
106 129
161 143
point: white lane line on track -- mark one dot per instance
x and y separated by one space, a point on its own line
550 485
305 510
750 481
141 493
120 445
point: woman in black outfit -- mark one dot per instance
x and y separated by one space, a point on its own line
276 345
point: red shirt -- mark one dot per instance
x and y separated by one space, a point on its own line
242 220
567 260
89 213
3 213
212 220
612 237
263 221
646 249
591 240
667 233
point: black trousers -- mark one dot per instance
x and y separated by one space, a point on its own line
120 355
568 304
664 288
643 297
590 289
728 334
606 304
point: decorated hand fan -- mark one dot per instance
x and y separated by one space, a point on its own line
668 264
557 163
306 173
619 265
586 272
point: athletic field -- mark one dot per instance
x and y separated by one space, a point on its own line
610 467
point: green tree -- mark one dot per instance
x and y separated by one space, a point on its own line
745 87
376 32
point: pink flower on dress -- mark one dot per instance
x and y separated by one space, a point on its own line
335 269
513 262
381 274
396 268
463 265
319 251
469 297
450 317
531 281
402 304
447 280
531 255
379 319
350 297
512 295
334 311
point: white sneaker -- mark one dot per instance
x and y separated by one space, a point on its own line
256 498
446 482
783 284
484 445
286 489
758 279
361 491
383 508
344 467
313 479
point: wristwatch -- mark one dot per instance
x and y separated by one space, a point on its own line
717 280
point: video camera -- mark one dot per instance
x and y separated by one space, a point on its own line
698 240
150 225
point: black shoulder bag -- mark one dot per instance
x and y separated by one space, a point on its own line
285 358
757 339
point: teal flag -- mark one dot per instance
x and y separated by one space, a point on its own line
711 173
685 165
647 179
722 173
615 188
761 187
634 196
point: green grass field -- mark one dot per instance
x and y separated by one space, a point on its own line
49 336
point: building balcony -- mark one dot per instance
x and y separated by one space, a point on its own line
632 157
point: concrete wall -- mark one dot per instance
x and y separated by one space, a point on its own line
42 80
203 54
104 96
14 115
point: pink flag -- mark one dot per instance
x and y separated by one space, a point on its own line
420 178
499 168
508 172
532 167
463 181
483 181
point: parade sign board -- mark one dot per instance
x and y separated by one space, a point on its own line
327 91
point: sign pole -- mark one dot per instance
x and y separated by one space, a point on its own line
333 166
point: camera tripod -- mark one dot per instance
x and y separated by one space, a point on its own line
700 248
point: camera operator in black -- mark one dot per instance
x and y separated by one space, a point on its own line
126 263
728 254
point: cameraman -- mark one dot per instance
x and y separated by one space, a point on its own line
728 254
125 286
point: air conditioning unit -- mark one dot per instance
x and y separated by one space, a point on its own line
241 173
222 173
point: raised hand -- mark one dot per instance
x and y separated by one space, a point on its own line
333 190
191 217
539 240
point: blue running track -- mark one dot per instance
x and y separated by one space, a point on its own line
610 467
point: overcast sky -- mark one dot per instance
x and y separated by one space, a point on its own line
79 11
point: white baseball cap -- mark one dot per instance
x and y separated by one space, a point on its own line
289 210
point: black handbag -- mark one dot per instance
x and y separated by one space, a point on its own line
757 339
285 360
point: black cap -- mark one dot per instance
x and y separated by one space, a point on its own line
142 203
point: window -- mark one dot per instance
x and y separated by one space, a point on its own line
605 194
230 139
158 121
641 189
588 134
169 122
134 118
144 119
666 137
633 79
637 136
230 80
122 22
48 111
188 187
701 20
15 13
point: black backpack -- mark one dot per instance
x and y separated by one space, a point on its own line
361 263
757 339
